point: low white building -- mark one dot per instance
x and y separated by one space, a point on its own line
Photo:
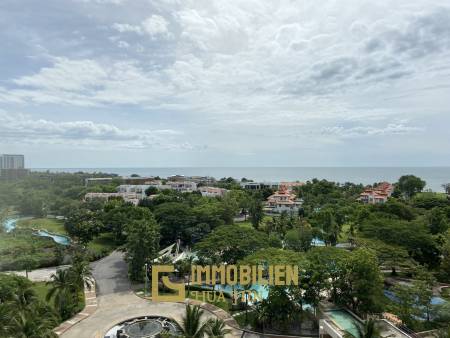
127 197
183 186
212 191
139 190
283 200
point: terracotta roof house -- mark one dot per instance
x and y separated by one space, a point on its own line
283 200
378 194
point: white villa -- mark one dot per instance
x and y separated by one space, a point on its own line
212 191
283 200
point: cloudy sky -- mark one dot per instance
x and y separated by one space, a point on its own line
104 83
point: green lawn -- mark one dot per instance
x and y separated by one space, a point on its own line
41 290
52 225
248 224
101 245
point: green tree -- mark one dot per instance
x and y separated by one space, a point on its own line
151 191
83 225
230 208
409 185
142 246
406 299
256 211
231 243
216 328
437 221
299 239
63 292
361 282
192 326
32 324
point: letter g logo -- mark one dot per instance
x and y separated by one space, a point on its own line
179 287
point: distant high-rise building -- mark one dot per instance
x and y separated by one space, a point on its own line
8 161
12 167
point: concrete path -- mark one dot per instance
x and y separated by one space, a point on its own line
39 275
116 302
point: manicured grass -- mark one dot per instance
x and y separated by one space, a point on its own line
52 225
248 224
41 289
245 224
101 245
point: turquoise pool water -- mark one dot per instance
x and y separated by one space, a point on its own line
10 224
345 321
57 238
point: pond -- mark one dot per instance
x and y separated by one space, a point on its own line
11 223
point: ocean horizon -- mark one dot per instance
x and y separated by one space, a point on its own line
434 176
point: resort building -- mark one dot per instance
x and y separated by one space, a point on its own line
378 194
283 200
212 191
183 186
127 197
259 185
290 186
138 189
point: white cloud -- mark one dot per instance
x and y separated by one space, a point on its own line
272 69
126 28
19 128
389 129
155 25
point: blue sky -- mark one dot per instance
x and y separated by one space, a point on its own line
104 83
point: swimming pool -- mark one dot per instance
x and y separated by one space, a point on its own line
63 240
345 321
11 223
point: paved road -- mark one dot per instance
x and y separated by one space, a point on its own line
39 275
110 274
116 301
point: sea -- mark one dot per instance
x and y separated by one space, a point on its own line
435 177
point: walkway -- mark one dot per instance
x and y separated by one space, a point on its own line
117 302
39 275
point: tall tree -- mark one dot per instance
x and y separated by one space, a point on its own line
409 185
63 292
142 245
256 211
231 243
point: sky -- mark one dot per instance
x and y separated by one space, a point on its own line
156 83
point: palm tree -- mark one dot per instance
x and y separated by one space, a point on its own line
192 326
24 295
63 292
81 274
31 325
6 319
216 328
367 330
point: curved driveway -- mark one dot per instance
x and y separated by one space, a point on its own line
117 302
